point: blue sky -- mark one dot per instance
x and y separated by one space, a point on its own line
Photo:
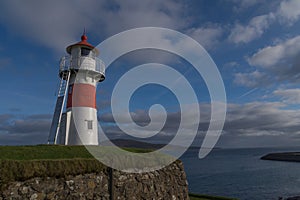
254 43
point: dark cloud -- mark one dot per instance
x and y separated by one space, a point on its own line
40 116
255 119
32 129
250 123
26 126
4 118
15 109
103 104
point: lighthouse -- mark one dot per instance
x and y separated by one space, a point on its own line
75 116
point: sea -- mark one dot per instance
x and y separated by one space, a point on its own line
240 173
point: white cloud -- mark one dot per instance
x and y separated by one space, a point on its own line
206 36
52 24
56 24
277 63
241 5
256 27
290 96
282 53
132 14
289 11
251 79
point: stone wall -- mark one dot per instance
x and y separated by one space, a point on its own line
168 183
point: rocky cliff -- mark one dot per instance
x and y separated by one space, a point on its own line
167 183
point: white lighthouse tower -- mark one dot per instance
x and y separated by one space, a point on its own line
75 116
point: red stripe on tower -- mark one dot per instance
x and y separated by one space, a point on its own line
81 95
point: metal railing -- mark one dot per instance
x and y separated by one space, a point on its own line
81 63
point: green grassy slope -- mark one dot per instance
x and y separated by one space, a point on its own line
25 162
43 152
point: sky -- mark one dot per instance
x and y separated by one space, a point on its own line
254 43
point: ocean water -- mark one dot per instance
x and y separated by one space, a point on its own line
241 174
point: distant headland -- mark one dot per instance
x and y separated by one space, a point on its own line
285 156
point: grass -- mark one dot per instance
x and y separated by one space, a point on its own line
51 152
43 152
19 163
25 162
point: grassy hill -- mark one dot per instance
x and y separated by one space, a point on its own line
25 162
19 163
42 152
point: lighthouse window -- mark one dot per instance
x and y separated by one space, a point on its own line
89 124
85 51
